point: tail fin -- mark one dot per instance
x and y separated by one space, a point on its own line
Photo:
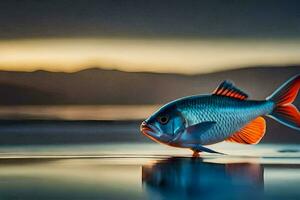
285 112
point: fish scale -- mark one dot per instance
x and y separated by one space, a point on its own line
229 113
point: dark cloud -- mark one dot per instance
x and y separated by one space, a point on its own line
62 18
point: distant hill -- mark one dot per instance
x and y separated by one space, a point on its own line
98 86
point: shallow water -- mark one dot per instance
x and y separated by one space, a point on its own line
149 171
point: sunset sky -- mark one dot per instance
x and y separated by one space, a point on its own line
176 36
181 56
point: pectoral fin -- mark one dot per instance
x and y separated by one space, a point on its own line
200 127
192 133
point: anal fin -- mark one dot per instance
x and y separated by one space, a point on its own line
252 133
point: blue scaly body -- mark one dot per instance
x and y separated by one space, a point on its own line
229 114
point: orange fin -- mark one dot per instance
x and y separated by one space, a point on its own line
252 133
287 93
288 115
285 111
227 89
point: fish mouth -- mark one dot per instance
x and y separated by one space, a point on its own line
154 133
150 131
146 129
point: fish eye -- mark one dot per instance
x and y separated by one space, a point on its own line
163 119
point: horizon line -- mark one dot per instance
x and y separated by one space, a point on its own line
152 72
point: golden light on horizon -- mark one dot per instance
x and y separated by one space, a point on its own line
156 55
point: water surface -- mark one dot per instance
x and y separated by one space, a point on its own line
148 171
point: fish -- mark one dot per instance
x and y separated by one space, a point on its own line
225 115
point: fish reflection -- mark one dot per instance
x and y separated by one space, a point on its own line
190 178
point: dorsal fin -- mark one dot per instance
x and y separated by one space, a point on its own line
226 88
252 133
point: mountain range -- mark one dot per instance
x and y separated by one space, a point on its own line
99 86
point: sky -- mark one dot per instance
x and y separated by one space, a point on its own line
160 36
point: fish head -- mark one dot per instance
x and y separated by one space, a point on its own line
164 125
